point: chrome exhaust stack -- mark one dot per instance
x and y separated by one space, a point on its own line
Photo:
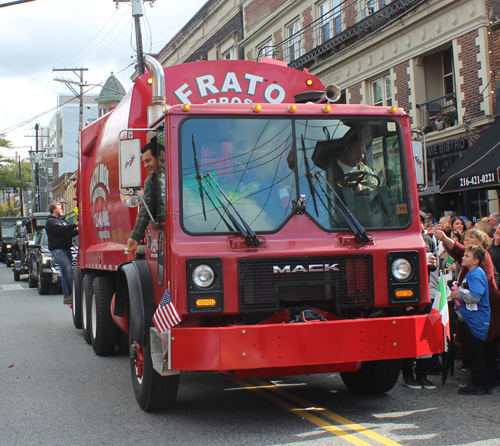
159 100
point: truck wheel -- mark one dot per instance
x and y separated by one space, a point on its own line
44 282
77 298
86 298
103 329
32 281
373 377
17 276
152 391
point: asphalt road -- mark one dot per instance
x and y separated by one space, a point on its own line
55 391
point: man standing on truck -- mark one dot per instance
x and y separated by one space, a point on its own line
153 157
60 234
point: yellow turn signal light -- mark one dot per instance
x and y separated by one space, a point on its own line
292 108
393 109
257 108
150 81
205 302
309 82
186 107
404 293
327 108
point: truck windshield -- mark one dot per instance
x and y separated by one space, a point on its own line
265 165
8 231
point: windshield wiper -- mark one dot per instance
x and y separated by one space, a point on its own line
198 177
309 176
245 230
358 230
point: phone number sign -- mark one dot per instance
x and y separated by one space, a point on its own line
478 180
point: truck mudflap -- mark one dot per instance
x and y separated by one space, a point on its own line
299 348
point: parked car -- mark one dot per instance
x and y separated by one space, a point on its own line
26 234
7 232
44 271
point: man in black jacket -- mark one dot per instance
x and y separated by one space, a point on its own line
60 234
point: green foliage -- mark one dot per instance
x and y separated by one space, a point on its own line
5 143
10 177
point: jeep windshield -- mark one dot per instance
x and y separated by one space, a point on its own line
265 165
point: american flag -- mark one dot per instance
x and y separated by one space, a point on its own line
166 315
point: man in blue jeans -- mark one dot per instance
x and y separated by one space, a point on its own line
60 234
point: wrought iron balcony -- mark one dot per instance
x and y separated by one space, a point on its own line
350 19
438 113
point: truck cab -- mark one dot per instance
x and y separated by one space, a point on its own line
7 231
26 234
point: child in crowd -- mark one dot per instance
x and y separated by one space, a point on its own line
474 310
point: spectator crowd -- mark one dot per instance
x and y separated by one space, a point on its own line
467 253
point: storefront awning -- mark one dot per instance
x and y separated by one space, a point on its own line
478 167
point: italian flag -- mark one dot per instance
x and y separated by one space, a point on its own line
440 305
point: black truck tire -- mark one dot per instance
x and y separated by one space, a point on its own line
44 282
152 391
86 298
32 281
77 298
103 330
373 377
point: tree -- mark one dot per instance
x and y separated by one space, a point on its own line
10 178
5 143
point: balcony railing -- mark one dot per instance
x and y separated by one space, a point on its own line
351 18
438 113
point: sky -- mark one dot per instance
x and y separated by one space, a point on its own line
38 36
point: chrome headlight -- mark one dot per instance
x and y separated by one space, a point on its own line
401 269
203 276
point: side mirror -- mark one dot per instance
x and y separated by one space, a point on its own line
130 171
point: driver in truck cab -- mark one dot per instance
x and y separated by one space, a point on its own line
153 157
344 170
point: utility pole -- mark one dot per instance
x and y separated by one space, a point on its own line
20 187
75 92
37 178
137 14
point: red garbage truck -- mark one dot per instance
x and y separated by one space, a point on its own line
284 238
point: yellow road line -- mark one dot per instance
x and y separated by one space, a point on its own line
339 419
304 414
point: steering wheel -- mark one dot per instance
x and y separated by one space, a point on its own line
354 178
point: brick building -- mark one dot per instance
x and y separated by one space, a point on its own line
437 59
214 32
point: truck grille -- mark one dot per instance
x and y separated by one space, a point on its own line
272 284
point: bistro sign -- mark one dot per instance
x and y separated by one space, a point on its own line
448 147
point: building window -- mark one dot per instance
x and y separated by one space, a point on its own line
372 6
294 47
266 50
448 72
382 91
331 24
229 54
443 165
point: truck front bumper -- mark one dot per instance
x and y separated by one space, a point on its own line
299 348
